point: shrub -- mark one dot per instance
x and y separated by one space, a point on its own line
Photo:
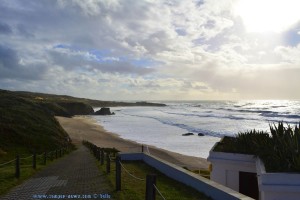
279 150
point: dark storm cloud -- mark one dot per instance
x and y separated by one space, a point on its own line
10 67
8 58
24 31
5 28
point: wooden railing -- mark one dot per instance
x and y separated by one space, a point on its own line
32 160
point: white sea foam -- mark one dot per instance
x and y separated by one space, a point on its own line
163 126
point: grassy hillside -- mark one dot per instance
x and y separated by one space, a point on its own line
26 126
59 105
27 120
40 97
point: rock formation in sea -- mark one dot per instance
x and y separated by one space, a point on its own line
104 111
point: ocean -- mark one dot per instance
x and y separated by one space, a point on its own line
163 126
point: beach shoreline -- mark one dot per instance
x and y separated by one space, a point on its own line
85 128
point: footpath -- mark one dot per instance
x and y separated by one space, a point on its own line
74 176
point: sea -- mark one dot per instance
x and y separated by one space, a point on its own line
164 127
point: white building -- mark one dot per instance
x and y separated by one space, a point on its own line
246 174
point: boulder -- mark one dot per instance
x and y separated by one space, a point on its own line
104 111
187 134
200 134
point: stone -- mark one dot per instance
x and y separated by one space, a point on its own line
104 111
187 134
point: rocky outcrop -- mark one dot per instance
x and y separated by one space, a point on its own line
104 111
187 134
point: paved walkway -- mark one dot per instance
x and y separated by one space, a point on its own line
74 176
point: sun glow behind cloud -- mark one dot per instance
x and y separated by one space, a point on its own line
140 49
268 15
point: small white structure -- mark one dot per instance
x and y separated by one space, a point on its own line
277 185
246 174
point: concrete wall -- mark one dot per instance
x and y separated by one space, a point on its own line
279 186
210 188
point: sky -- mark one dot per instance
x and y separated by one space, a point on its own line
152 49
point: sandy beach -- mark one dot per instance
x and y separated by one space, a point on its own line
84 128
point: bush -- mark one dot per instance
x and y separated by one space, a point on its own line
279 150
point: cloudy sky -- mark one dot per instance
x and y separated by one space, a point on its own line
152 50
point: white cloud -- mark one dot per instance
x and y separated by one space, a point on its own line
289 54
138 49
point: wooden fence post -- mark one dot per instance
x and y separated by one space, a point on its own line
118 173
45 158
34 160
94 151
150 190
102 157
98 153
17 173
107 163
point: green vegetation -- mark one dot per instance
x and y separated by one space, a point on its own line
62 99
280 150
8 180
59 105
135 189
27 121
27 127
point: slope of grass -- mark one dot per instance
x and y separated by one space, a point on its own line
133 189
41 97
27 120
26 126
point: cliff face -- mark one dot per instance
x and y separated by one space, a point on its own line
55 109
77 108
67 108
